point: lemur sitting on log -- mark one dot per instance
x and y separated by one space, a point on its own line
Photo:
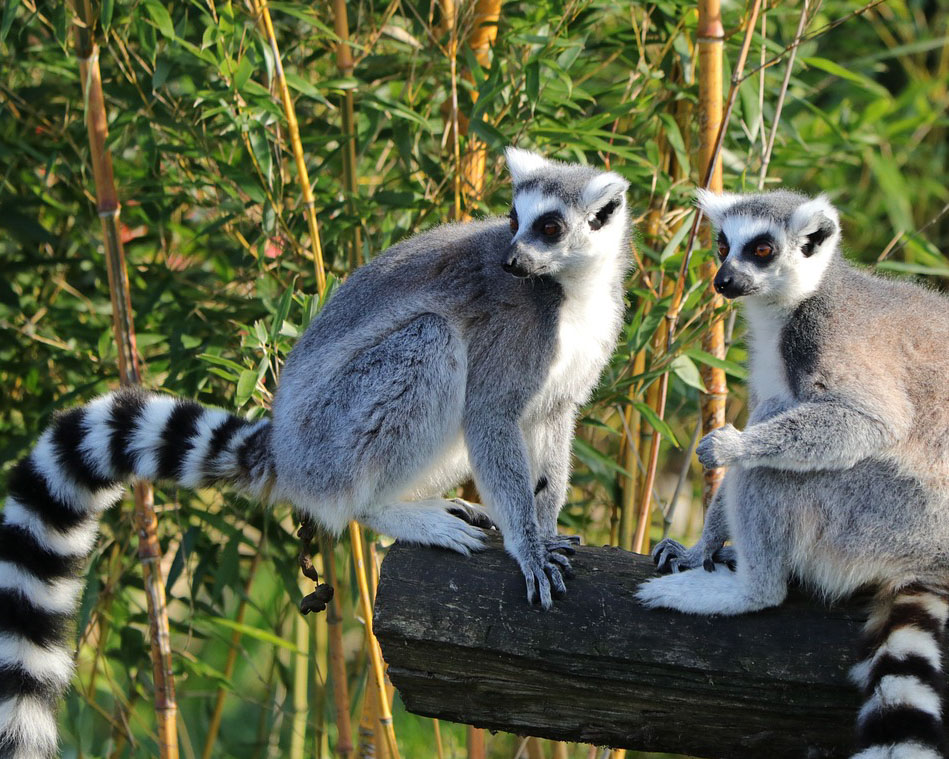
463 351
841 476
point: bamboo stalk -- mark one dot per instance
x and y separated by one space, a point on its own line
293 130
334 619
375 654
484 32
301 675
108 207
560 750
439 751
344 61
534 748
215 724
475 743
711 41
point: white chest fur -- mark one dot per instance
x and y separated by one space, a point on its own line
588 323
768 378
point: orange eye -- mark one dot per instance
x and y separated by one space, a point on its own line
513 225
722 251
763 250
551 229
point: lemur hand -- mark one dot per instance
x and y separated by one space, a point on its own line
721 447
544 568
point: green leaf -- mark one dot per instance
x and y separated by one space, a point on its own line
282 310
253 632
657 424
9 11
730 367
836 69
910 268
594 460
686 370
105 14
245 386
161 18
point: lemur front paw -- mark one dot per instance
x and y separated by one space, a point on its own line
544 568
472 514
721 447
671 557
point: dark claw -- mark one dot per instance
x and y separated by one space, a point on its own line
557 584
473 516
560 544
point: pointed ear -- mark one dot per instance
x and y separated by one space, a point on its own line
714 206
523 163
814 222
603 188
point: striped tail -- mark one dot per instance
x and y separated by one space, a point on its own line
50 523
902 677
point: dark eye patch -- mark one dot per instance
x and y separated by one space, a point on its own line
513 217
549 227
750 248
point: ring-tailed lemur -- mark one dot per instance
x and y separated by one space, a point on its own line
465 350
841 477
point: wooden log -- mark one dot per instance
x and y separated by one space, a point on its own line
462 644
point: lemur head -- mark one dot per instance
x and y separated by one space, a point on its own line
775 246
565 218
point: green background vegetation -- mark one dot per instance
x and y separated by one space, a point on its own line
221 286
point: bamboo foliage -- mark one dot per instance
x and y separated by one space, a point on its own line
146 522
210 168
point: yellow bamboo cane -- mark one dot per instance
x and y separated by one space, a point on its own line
375 654
293 131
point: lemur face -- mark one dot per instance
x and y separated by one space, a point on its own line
563 218
774 246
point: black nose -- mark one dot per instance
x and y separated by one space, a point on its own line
513 266
731 283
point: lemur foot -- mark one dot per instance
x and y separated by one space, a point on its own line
670 557
451 531
709 593
472 514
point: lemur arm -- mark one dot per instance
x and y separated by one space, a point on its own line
499 462
554 450
826 434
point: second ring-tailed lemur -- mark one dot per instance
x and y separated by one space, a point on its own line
465 350
841 477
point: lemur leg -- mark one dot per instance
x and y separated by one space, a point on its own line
796 439
552 440
502 474
758 519
391 416
432 522
671 556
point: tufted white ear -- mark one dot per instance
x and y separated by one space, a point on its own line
522 163
715 206
815 215
602 189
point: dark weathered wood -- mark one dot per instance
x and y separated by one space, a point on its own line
462 644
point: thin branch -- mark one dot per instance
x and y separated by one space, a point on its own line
801 23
